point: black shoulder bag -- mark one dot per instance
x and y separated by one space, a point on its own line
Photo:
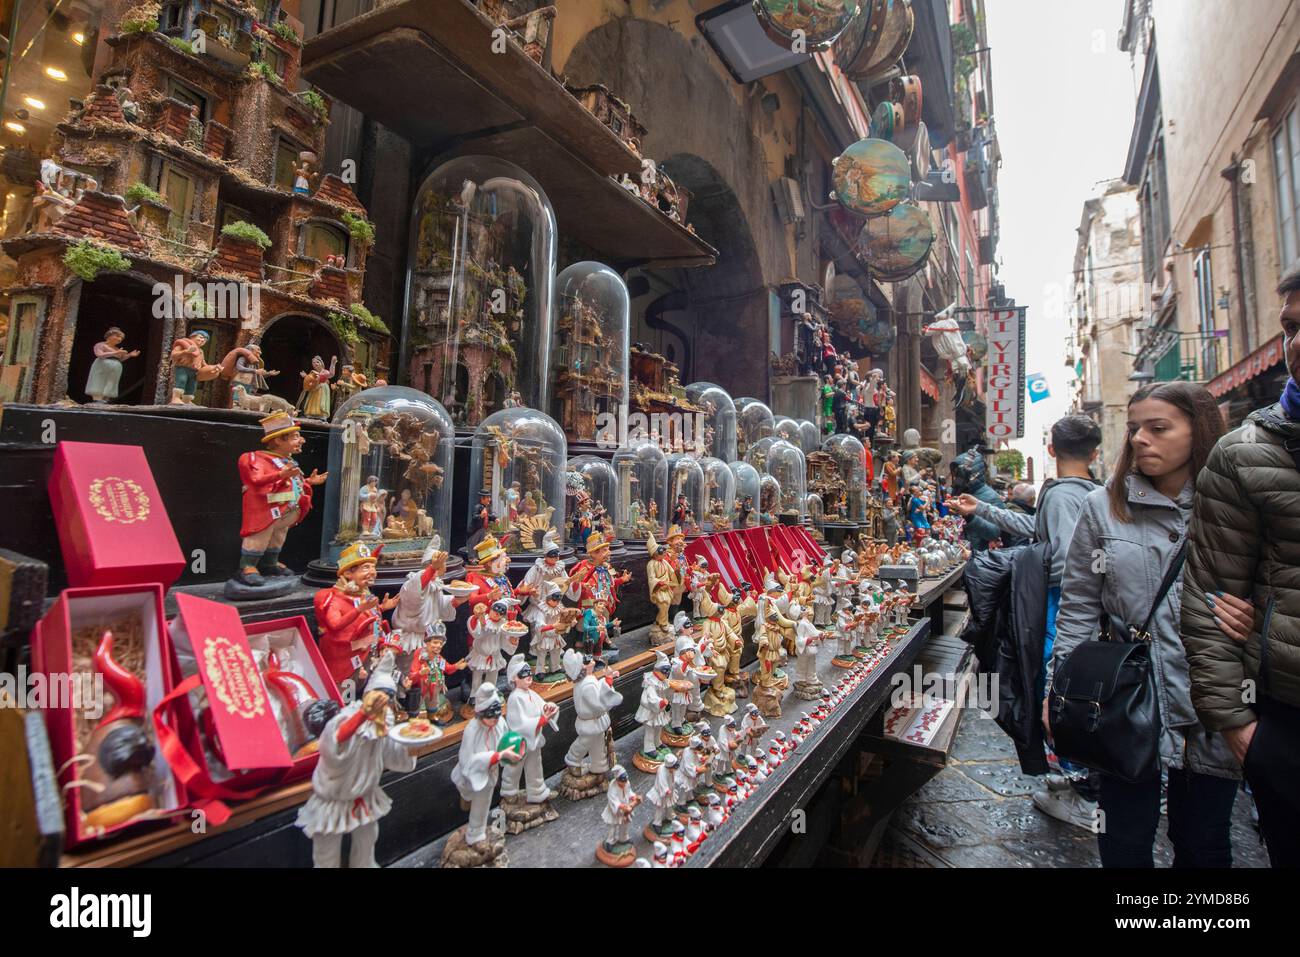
1103 706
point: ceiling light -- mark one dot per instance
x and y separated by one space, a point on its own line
55 73
740 42
34 103
78 38
16 127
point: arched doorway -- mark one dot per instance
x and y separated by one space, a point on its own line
288 344
127 302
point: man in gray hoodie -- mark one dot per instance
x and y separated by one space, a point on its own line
1075 440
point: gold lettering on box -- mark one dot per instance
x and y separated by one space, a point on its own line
233 678
119 500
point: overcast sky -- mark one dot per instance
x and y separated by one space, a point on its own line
1063 102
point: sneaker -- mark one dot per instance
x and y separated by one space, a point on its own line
1056 782
1067 806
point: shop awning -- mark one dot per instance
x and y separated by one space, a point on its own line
1261 360
928 384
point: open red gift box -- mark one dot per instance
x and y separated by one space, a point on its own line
228 725
70 734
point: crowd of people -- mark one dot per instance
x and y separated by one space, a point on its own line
1191 546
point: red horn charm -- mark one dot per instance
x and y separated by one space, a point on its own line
127 689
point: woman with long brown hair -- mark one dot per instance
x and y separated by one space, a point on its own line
1129 535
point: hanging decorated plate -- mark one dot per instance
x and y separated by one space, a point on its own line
906 91
871 177
856 320
914 140
818 23
897 245
857 45
976 344
894 38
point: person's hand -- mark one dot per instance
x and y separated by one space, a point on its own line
1047 723
510 756
1239 740
317 478
289 471
1234 616
388 604
964 504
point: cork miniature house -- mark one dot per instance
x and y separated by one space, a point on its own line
181 195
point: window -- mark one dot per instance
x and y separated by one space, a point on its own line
1286 149
178 189
1204 281
179 91
1153 198
322 240
286 155
20 350
232 214
273 58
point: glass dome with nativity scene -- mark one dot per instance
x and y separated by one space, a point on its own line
588 380
719 418
591 489
641 506
754 421
849 456
517 475
810 437
786 464
390 460
747 494
480 288
769 499
719 495
686 502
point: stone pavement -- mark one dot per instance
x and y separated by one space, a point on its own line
977 812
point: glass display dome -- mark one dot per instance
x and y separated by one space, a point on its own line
389 463
719 494
788 429
747 493
810 437
813 509
754 421
642 500
756 455
591 493
786 464
849 456
769 499
686 493
588 378
719 418
479 298
517 464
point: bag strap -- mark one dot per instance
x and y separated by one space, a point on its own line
1170 577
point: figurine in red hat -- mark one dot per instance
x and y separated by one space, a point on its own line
593 578
277 496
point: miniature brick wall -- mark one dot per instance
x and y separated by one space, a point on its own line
215 138
332 283
239 257
173 118
334 190
103 107
101 216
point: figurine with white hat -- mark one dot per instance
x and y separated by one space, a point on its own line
547 569
527 714
620 801
653 712
807 641
663 798
587 759
421 601
491 643
730 740
679 730
483 749
752 727
551 620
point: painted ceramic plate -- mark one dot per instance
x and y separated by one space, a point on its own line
516 628
872 177
415 732
459 589
821 21
899 243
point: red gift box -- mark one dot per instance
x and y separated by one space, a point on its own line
112 526
52 657
303 675
218 726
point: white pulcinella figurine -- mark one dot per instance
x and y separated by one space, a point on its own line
620 801
592 700
663 798
807 640
653 712
550 619
355 751
478 766
492 643
698 579
824 594
661 855
688 772
527 714
421 601
729 742
752 727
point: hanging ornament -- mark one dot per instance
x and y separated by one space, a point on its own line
856 47
887 120
897 245
871 177
815 24
894 37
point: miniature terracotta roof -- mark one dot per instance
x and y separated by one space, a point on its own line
103 105
334 190
101 216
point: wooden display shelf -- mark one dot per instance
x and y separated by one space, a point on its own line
427 71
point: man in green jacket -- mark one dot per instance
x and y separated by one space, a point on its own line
1241 598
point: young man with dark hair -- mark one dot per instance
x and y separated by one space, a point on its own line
1241 599
1075 440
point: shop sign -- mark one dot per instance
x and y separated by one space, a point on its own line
1004 415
